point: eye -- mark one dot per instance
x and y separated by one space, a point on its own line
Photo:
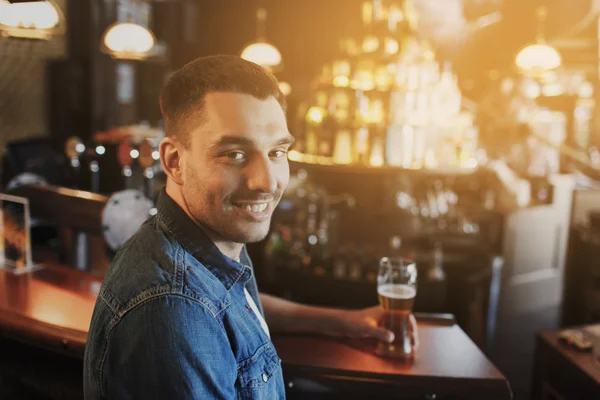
235 155
278 153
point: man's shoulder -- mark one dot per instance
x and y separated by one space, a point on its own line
151 264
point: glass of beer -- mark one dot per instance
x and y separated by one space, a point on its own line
397 289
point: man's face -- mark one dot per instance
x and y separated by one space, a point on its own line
235 169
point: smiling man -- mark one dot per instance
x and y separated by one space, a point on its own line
179 314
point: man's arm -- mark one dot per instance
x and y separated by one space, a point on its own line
289 317
169 348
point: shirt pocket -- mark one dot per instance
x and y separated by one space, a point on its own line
260 377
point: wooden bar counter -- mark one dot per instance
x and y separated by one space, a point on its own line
51 309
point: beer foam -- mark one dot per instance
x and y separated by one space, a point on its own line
397 291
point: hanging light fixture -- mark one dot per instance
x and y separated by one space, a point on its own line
31 19
539 57
128 40
260 51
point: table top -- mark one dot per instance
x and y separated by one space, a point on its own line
445 351
584 361
52 308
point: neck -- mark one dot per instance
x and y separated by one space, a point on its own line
230 249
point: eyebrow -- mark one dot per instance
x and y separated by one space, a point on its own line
244 141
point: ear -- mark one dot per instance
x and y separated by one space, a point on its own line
171 159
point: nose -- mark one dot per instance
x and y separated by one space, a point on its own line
261 176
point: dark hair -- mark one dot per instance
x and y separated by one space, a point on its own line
181 99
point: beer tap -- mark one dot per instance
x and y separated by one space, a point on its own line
95 176
94 166
125 157
147 153
74 149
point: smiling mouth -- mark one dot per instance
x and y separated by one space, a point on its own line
255 208
256 211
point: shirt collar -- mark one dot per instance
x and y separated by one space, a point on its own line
198 244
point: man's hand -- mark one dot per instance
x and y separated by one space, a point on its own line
290 317
365 324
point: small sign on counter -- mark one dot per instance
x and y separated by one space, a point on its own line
15 239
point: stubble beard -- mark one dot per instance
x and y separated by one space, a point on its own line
228 228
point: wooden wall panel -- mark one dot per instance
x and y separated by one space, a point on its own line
23 85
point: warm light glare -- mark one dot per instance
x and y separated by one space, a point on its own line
31 15
531 89
537 58
391 46
294 155
262 53
363 80
370 44
471 163
586 90
285 88
315 115
128 41
552 89
341 81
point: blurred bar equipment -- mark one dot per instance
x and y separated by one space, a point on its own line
147 153
74 149
125 154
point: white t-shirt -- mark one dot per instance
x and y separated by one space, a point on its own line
254 308
256 311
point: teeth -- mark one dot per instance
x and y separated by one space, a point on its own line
258 208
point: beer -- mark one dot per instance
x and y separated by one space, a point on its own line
397 290
396 297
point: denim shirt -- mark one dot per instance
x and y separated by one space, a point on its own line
172 321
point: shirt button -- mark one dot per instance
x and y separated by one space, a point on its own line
265 378
248 308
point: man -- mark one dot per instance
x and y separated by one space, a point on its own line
179 315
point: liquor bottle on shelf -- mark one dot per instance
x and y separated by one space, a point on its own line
377 153
342 150
315 265
355 268
395 246
314 121
340 263
407 140
298 256
435 280
393 148
436 272
370 264
327 135
322 262
362 145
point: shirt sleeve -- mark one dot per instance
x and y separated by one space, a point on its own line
169 347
